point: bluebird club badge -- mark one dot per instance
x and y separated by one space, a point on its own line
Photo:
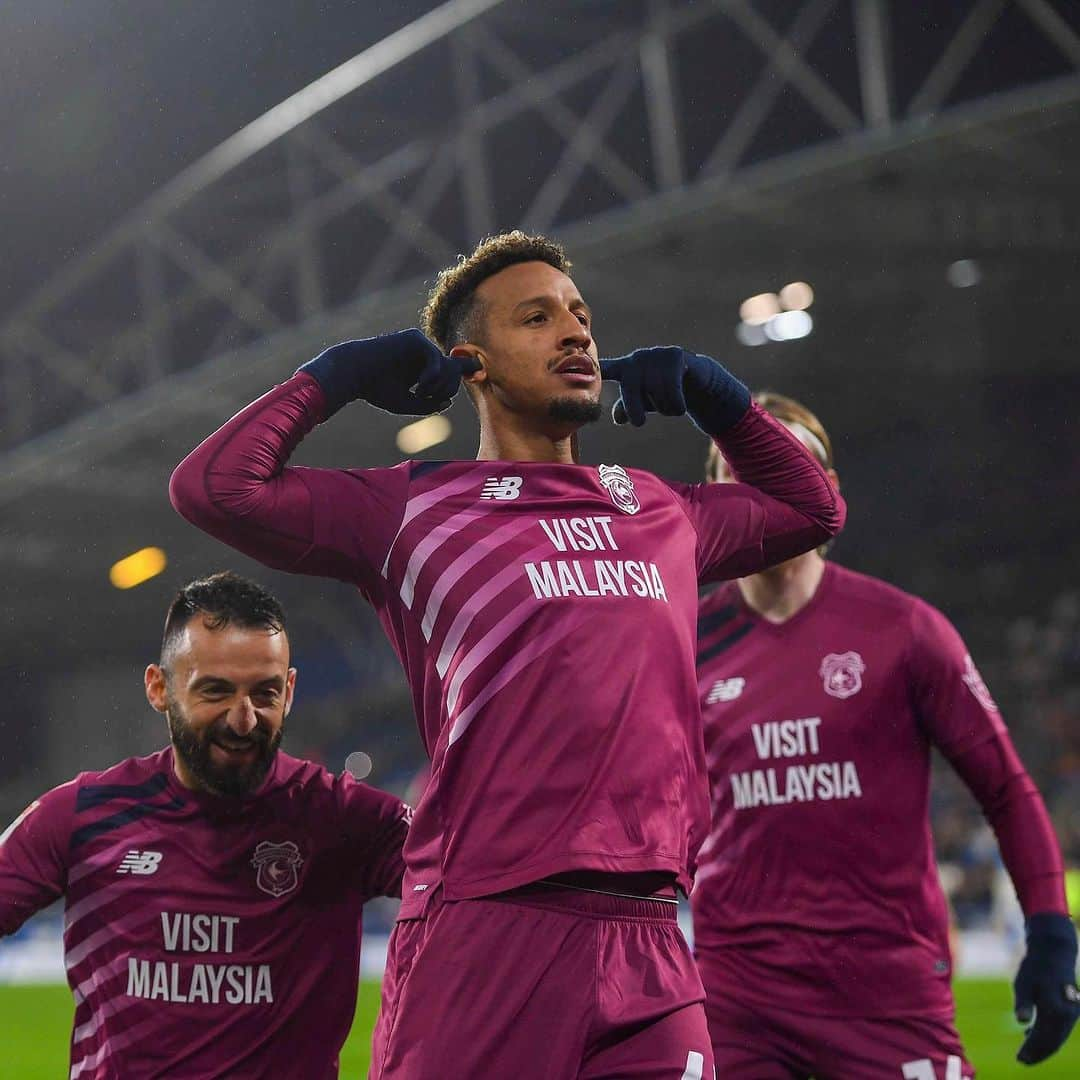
620 487
276 867
842 673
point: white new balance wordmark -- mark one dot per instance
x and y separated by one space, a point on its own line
140 862
502 488
725 690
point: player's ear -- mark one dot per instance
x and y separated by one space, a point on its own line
154 679
290 689
473 352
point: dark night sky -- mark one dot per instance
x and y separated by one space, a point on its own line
101 101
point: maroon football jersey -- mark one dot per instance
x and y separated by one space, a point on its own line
544 615
206 937
817 886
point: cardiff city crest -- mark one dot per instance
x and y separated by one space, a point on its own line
277 866
974 682
842 673
620 488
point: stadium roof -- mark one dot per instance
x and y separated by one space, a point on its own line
690 155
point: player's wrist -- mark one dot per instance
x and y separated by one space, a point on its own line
342 372
715 399
1051 926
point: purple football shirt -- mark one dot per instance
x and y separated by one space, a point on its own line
545 618
204 937
817 887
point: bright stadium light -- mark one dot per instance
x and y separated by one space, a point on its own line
963 273
797 296
751 333
789 326
425 433
138 567
759 309
359 765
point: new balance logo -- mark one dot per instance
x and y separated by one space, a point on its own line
502 488
725 690
140 862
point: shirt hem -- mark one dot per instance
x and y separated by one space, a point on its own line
939 1004
471 889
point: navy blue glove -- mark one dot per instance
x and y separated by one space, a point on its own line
1045 986
672 381
403 373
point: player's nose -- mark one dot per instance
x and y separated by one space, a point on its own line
243 719
573 331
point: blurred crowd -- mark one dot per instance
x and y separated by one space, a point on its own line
1039 695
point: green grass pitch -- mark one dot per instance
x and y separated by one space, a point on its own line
35 1023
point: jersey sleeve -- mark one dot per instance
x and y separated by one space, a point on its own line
783 505
960 717
33 857
374 825
237 487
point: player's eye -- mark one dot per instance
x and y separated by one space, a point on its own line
583 318
537 317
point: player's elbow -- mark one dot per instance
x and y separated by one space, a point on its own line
835 516
187 491
827 520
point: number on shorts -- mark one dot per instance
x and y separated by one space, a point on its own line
695 1066
923 1069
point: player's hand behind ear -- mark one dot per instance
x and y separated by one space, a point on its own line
403 373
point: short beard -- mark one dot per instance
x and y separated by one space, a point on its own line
574 410
193 748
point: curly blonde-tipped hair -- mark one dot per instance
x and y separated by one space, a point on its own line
452 314
788 411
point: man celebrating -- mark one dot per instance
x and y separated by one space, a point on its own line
213 890
544 612
819 924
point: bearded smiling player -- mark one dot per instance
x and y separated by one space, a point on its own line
819 925
213 890
544 612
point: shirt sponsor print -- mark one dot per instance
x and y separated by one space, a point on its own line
277 867
778 784
583 577
208 983
842 674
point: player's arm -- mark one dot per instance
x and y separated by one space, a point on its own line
336 523
375 825
961 718
784 503
33 864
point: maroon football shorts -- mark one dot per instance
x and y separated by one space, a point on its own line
541 984
773 1042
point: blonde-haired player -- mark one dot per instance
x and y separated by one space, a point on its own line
821 931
